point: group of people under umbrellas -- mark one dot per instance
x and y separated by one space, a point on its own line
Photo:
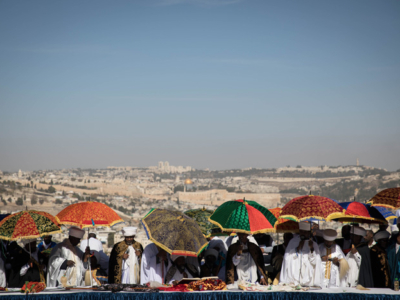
309 257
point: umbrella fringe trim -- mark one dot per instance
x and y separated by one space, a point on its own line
328 218
384 205
91 225
34 236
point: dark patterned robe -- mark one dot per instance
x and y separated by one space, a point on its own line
115 263
255 253
380 267
20 258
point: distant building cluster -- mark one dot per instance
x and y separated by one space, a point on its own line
165 167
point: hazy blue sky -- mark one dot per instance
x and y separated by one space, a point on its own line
208 83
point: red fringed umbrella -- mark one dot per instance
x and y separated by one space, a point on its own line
388 198
89 214
310 206
28 224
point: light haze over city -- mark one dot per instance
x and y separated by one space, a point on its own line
217 84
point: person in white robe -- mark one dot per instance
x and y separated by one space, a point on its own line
354 257
179 270
67 263
219 245
331 255
245 261
131 261
302 262
96 245
155 264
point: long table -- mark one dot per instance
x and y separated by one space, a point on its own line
324 294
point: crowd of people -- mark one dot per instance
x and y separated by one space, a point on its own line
312 257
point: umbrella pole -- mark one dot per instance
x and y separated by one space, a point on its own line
90 267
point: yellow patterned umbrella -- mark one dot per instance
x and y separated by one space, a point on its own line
174 232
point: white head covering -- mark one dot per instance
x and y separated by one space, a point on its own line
329 235
304 226
381 235
394 228
76 232
129 231
174 257
211 252
356 230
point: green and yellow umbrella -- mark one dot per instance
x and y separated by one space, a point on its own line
201 216
28 224
243 216
174 232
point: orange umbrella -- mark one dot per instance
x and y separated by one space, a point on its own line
388 198
89 214
283 225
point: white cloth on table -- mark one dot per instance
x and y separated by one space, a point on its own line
130 268
59 254
354 261
150 270
329 271
302 267
246 268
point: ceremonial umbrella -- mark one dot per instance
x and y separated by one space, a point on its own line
387 214
89 214
283 225
174 232
28 224
243 216
310 206
357 212
388 198
201 217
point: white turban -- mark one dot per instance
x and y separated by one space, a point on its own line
381 235
129 231
174 257
394 228
76 232
304 226
212 252
356 230
329 235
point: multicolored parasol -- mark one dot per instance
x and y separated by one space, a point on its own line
28 224
357 212
310 206
388 198
243 216
174 232
89 214
283 225
201 217
386 213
